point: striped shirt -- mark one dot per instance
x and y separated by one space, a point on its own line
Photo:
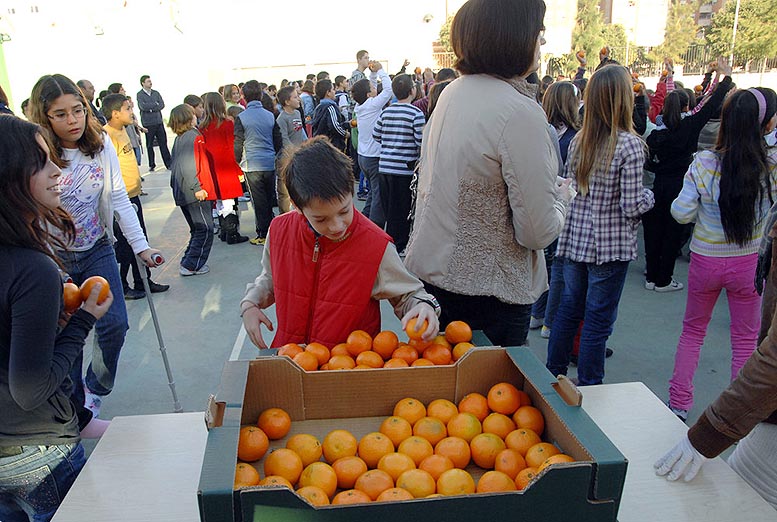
698 201
399 130
601 225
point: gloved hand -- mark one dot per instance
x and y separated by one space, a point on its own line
682 461
564 189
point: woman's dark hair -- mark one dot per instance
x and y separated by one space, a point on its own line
497 37
44 93
434 96
215 110
317 170
308 87
691 98
268 104
114 88
23 221
193 100
744 169
674 105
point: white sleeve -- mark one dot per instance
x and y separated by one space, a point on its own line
386 94
122 208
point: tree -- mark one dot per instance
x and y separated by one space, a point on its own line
680 31
588 32
445 35
756 37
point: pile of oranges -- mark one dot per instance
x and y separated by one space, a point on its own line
420 451
361 351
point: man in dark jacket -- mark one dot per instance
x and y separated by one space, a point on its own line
327 119
150 103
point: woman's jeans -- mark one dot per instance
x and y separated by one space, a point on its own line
538 309
110 329
34 483
591 294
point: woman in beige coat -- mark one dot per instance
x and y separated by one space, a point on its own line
488 197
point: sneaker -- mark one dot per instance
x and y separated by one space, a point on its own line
681 414
649 285
608 353
204 269
157 288
534 323
361 198
545 332
92 402
143 192
257 240
130 294
673 286
243 199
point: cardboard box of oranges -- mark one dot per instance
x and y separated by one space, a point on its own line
318 404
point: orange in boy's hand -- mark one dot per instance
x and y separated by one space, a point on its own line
411 331
72 297
86 288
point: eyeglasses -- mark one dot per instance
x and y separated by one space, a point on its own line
62 116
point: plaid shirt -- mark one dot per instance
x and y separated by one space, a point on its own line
602 225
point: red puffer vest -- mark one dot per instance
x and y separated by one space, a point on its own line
323 289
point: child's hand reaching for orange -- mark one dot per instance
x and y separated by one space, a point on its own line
423 312
253 318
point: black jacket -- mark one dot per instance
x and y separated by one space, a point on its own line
330 122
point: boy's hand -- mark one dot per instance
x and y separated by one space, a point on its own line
201 195
253 318
423 312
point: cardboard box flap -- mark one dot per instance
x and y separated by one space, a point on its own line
214 493
214 412
285 392
470 376
232 387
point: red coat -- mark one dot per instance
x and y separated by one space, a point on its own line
217 170
323 298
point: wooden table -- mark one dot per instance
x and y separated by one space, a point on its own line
146 468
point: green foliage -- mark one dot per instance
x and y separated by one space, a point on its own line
614 35
588 32
756 37
680 31
445 35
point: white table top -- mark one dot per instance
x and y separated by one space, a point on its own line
644 429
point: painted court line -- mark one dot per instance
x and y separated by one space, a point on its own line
238 346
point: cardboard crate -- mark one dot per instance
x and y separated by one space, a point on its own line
318 402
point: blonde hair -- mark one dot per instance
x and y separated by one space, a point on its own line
609 104
181 119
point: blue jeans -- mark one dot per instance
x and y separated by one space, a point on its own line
110 329
540 305
591 294
34 483
370 168
554 293
199 217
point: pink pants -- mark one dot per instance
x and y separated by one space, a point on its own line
707 276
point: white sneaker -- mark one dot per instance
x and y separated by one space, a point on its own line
545 332
673 286
204 269
534 323
650 285
92 402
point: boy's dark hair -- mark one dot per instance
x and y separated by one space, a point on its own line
272 87
285 93
262 85
233 111
359 54
193 100
252 91
445 74
310 77
268 104
497 37
360 90
112 102
309 87
339 79
402 85
317 170
323 75
323 87
114 88
143 78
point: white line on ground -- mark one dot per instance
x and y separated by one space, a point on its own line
238 346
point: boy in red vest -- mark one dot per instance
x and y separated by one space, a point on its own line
329 266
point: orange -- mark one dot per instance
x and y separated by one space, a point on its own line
456 449
411 331
442 409
406 353
340 349
422 362
275 480
604 50
417 448
440 339
395 464
581 54
498 424
338 444
307 361
455 482
495 481
418 344
529 417
525 477
436 465
314 495
396 428
465 426
418 482
430 428
319 474
370 358
396 363
324 367
285 463
524 397
341 362
485 447
458 332
385 343
438 354
245 475
522 439
86 288
460 349
559 458
290 350
359 341
252 444
373 446
476 404
504 398
320 351
510 462
394 495
539 452
72 297
306 446
374 482
275 422
348 470
362 367
350 496
410 409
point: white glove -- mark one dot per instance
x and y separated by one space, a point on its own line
682 461
564 189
